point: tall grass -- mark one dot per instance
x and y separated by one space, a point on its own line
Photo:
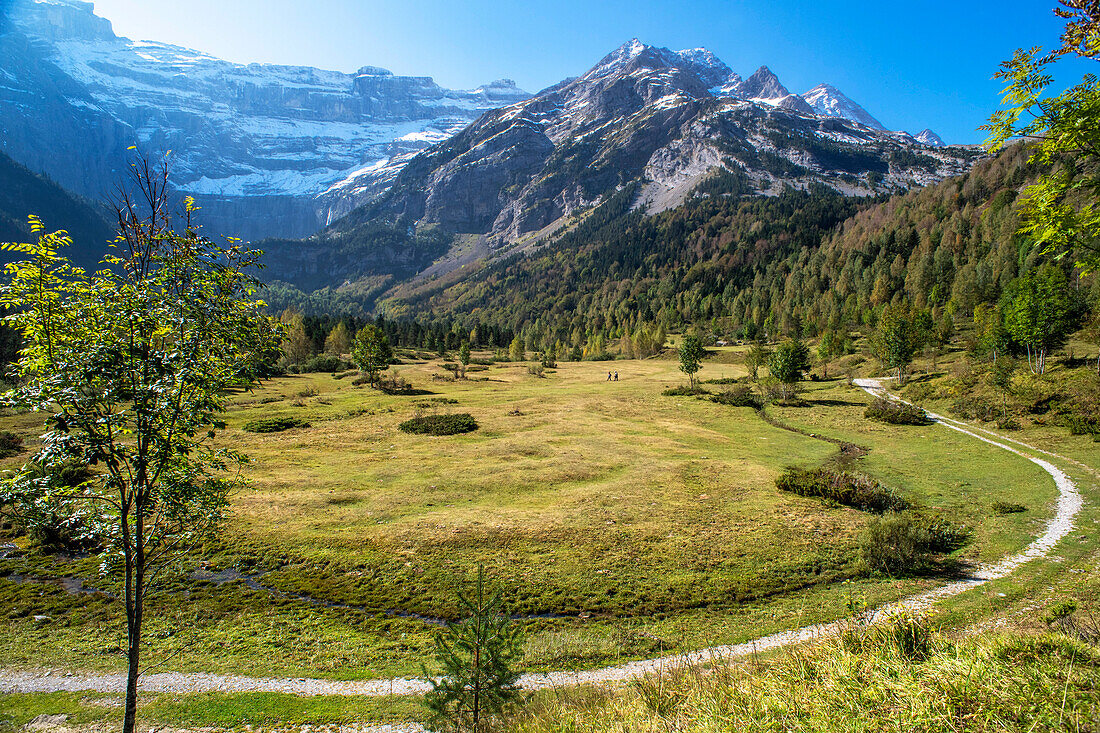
899 676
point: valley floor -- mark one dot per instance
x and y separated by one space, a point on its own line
702 465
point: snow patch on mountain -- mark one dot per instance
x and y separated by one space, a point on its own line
930 138
828 101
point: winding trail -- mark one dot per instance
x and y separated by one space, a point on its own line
1068 505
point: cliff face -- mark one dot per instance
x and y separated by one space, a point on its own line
266 150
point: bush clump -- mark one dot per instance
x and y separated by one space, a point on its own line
274 424
737 397
459 422
849 489
684 391
324 363
1007 507
909 542
896 413
10 444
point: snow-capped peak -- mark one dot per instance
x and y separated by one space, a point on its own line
828 101
929 138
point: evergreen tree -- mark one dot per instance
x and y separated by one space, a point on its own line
476 664
297 346
756 357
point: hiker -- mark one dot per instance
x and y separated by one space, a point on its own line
616 376
609 376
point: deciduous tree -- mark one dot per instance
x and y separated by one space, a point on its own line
1059 212
691 357
132 365
371 352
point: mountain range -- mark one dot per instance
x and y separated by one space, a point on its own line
284 151
668 125
266 149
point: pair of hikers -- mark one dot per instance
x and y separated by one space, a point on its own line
616 379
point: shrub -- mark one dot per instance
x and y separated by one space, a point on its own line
347 373
323 363
459 422
1079 424
1007 507
10 443
975 408
1008 423
274 424
896 413
722 380
398 386
683 391
537 370
849 489
908 543
737 397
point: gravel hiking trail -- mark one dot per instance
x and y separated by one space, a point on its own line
1068 505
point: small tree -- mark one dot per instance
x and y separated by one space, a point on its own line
338 341
896 339
464 356
691 357
516 351
132 365
1040 311
992 338
297 346
371 352
789 364
756 357
476 658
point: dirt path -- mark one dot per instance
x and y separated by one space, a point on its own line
1068 505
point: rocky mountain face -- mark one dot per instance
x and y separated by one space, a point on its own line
668 120
266 150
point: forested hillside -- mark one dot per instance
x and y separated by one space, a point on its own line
23 193
746 265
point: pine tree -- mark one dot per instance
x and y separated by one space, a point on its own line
477 658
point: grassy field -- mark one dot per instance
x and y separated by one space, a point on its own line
620 522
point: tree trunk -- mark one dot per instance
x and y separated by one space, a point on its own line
135 590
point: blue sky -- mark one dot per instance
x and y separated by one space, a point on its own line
912 65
